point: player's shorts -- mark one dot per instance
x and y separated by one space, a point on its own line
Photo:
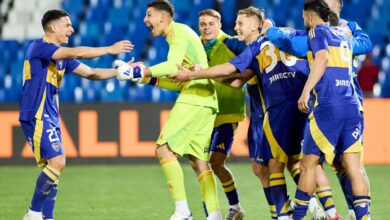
255 130
283 129
188 129
332 131
222 138
44 138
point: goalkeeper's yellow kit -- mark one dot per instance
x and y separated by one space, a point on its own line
190 123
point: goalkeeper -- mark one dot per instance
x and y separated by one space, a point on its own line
188 128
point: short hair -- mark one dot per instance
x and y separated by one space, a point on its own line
211 12
319 7
162 5
52 15
253 11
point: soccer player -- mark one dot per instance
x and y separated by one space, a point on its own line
331 132
187 131
296 43
220 48
45 64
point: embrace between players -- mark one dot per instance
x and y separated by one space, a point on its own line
295 106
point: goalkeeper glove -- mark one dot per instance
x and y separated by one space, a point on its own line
128 72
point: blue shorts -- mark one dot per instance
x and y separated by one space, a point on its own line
283 127
44 138
222 138
332 131
255 130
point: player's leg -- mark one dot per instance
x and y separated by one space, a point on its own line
346 186
306 185
262 172
45 141
221 143
361 198
208 187
324 193
259 166
350 146
175 179
278 188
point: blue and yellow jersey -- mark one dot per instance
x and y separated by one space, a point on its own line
42 78
283 76
247 60
335 86
361 44
256 101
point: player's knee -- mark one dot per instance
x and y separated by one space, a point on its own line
217 167
58 163
260 171
162 151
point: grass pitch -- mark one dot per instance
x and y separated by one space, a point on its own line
117 192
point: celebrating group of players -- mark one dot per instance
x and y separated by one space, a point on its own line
306 106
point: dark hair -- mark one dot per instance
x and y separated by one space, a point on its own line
52 15
162 5
322 9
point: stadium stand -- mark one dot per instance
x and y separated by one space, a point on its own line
102 22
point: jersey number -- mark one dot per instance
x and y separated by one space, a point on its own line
274 58
52 135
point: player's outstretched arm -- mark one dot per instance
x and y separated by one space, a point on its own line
94 73
92 52
294 43
221 70
237 80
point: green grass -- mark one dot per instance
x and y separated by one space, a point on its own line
109 192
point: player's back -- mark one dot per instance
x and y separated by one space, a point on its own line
283 76
335 87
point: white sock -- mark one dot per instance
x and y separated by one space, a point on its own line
235 207
313 204
216 215
182 207
331 213
34 213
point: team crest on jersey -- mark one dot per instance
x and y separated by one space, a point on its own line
56 146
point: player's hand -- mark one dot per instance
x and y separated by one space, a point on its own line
120 47
303 102
197 67
266 24
128 72
183 75
347 32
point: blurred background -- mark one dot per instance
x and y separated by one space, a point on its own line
103 22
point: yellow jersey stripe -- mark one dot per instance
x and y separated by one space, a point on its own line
277 151
321 141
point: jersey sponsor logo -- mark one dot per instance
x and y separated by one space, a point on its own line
341 82
285 75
